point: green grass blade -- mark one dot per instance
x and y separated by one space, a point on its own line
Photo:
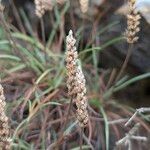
58 21
17 68
118 39
106 127
10 57
135 79
104 29
43 75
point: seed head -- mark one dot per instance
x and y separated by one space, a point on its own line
4 128
84 4
133 21
1 7
41 6
76 81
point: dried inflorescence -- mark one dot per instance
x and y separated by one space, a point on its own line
84 5
81 99
76 81
1 7
133 21
4 127
39 8
45 5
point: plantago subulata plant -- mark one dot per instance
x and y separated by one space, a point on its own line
4 127
76 81
133 21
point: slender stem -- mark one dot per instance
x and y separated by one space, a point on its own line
111 78
130 49
43 35
68 112
17 16
81 138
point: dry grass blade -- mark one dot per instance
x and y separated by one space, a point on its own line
140 110
127 140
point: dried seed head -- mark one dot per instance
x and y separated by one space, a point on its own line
81 99
71 61
41 6
84 5
76 81
133 21
4 128
1 7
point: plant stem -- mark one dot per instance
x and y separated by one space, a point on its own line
130 49
43 36
81 137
